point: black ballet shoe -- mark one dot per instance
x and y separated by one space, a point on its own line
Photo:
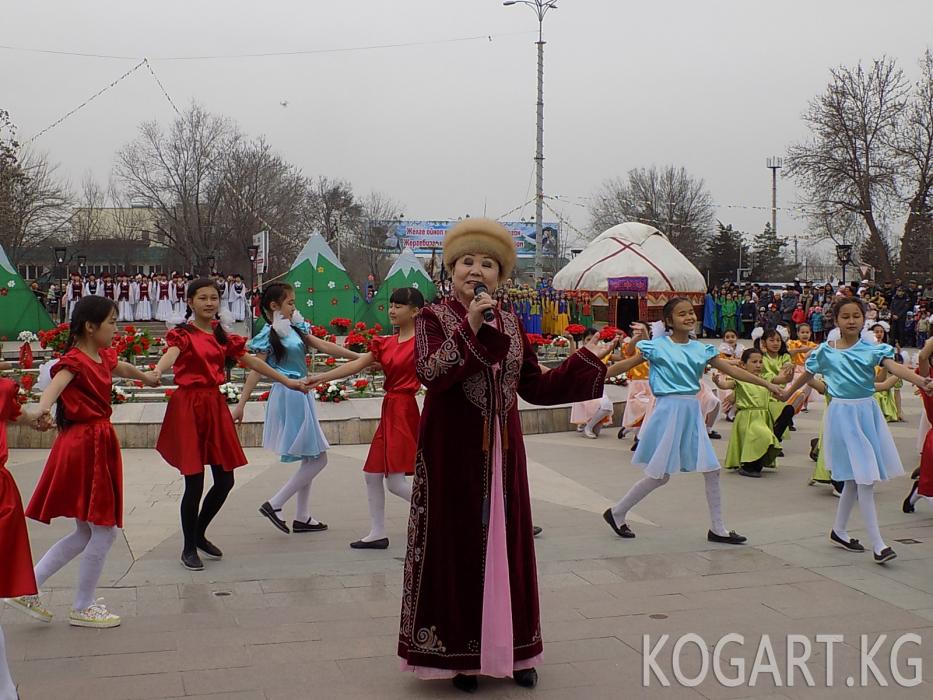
814 449
852 545
621 433
270 512
713 435
526 678
535 530
211 550
908 506
191 561
886 555
306 526
622 530
792 428
635 444
468 684
837 486
375 544
732 538
746 472
915 474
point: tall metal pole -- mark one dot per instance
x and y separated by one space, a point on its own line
774 164
539 155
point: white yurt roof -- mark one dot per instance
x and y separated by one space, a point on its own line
631 250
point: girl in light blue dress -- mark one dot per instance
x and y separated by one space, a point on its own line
291 428
859 448
674 438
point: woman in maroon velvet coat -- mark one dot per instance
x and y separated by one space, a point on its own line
470 593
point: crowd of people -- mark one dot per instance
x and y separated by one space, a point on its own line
141 297
904 306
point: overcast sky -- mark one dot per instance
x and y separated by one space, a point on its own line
448 128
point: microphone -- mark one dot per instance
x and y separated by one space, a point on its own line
478 289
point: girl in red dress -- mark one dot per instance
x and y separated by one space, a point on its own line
392 451
198 428
922 487
83 477
16 576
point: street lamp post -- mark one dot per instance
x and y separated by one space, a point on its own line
844 255
60 253
540 8
253 252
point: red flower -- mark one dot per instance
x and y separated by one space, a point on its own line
264 396
137 383
137 348
340 322
333 302
377 327
151 365
360 384
130 330
360 326
609 332
26 381
319 331
168 393
575 329
330 362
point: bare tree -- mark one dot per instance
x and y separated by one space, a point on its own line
332 207
670 199
34 201
87 220
367 254
263 191
180 175
850 162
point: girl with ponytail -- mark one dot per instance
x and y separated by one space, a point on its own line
291 428
83 477
198 428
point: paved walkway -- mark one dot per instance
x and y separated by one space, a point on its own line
303 616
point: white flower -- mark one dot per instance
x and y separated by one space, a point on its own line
27 337
309 303
11 284
297 284
331 284
415 285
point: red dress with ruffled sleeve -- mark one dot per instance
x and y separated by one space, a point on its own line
83 477
393 448
16 574
198 428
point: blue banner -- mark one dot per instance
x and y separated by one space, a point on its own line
425 237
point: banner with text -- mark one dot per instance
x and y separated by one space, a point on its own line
423 237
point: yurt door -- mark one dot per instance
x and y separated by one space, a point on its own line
626 313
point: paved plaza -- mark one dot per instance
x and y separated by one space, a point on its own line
285 617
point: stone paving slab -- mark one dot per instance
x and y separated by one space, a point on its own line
296 616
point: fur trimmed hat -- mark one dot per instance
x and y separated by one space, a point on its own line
480 235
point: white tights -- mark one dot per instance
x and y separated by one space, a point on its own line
645 486
300 484
375 493
7 688
90 541
865 495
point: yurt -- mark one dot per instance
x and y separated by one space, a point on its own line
633 269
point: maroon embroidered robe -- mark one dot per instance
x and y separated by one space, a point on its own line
442 596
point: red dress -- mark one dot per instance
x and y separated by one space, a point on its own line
393 447
925 487
83 476
16 574
198 428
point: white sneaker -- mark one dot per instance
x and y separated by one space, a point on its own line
30 605
589 434
580 428
95 615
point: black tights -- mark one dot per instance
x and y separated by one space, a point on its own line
194 524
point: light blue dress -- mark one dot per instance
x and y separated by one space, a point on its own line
291 429
674 437
858 443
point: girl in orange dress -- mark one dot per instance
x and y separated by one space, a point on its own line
83 476
198 428
16 575
392 452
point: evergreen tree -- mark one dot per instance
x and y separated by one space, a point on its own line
724 253
768 261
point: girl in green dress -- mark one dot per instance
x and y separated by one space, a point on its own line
752 444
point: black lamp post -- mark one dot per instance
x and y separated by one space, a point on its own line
60 253
253 252
82 264
844 256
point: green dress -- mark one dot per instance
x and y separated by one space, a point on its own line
885 401
820 471
729 309
770 368
752 436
